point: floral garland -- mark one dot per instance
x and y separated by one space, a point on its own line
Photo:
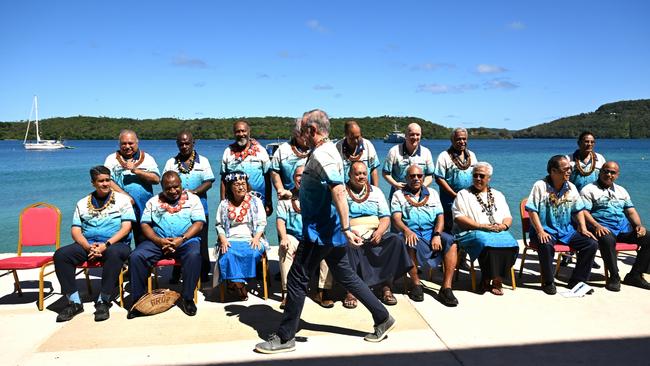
362 196
413 203
173 209
488 208
123 161
94 210
297 152
252 150
243 209
294 204
455 158
557 201
181 165
592 159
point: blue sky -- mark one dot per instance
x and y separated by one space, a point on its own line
457 63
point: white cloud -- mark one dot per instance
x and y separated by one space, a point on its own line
315 25
490 69
500 84
517 25
263 75
199 84
322 87
445 88
184 61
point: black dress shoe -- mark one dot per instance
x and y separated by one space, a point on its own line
417 293
101 311
133 313
613 284
636 281
69 312
188 307
447 297
549 289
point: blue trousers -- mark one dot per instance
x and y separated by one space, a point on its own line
305 264
146 254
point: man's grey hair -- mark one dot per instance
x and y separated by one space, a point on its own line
320 119
457 130
127 131
296 127
485 165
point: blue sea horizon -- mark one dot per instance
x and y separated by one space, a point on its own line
61 177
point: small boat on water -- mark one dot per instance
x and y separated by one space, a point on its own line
39 144
395 137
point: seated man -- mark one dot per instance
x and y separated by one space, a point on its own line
553 205
612 217
383 257
289 225
101 228
171 223
417 213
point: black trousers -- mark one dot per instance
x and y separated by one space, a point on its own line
586 248
306 264
67 258
607 246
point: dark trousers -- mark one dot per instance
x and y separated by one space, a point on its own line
147 254
586 248
205 254
67 258
607 246
305 264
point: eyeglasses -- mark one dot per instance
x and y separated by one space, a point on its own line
419 176
609 171
477 175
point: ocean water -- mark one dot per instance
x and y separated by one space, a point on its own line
61 177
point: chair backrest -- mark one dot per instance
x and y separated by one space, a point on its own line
39 225
525 219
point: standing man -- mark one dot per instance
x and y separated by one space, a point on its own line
355 148
400 157
286 158
585 162
554 205
248 156
171 222
613 219
101 230
326 233
196 177
416 212
453 172
135 173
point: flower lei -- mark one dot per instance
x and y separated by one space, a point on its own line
252 150
413 203
173 209
109 201
488 208
294 204
243 210
297 152
181 165
455 158
362 196
123 161
592 159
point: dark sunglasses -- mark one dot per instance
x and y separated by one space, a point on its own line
476 175
609 171
419 176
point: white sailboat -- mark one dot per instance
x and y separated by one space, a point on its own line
39 144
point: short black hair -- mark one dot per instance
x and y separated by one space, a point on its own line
97 170
584 134
554 163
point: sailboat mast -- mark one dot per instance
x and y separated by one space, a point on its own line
38 135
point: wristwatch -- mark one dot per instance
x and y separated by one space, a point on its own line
437 233
107 243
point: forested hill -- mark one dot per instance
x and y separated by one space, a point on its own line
102 128
625 119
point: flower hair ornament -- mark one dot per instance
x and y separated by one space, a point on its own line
235 176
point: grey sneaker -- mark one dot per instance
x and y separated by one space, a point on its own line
274 345
381 330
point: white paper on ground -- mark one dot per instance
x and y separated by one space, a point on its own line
579 290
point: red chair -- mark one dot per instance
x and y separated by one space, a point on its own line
623 247
151 284
39 225
525 226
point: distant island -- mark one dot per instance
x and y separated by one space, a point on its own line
624 119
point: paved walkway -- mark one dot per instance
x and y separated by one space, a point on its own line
524 326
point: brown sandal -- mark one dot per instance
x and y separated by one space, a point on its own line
496 288
239 290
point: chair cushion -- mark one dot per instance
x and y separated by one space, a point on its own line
93 264
168 262
24 262
626 247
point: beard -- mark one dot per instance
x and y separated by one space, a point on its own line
242 141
